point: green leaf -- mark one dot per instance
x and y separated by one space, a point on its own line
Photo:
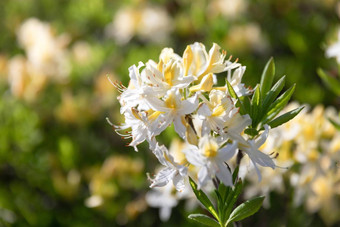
279 104
256 106
234 95
285 117
273 93
204 219
203 198
246 104
231 90
232 197
335 124
224 192
235 173
246 209
330 81
267 77
251 131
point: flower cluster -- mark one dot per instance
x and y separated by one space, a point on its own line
183 91
149 23
46 59
310 145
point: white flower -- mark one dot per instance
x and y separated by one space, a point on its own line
210 158
148 23
174 109
172 172
134 95
216 111
46 53
333 51
144 126
202 63
165 76
251 148
165 198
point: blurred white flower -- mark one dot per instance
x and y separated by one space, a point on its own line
228 8
165 198
46 53
149 23
333 51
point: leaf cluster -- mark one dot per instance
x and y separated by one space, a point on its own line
266 101
223 214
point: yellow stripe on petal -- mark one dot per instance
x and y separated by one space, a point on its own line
187 59
153 116
169 73
136 113
218 111
205 85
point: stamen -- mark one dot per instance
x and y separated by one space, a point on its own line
118 85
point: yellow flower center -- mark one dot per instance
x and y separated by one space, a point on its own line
210 149
170 102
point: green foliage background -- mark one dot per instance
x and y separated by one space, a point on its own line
40 154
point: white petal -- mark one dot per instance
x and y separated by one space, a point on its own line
261 158
227 152
161 152
193 156
203 177
224 174
189 105
204 111
179 127
163 177
263 137
178 182
165 213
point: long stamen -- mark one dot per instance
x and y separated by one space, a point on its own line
118 85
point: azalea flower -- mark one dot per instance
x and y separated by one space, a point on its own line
251 148
210 157
203 63
216 111
144 126
172 172
174 110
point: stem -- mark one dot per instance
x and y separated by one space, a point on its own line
239 157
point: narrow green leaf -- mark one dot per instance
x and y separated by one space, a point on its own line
224 191
285 117
203 198
273 93
232 197
234 95
279 104
335 124
204 219
251 131
235 173
256 106
267 77
231 90
246 104
330 81
246 209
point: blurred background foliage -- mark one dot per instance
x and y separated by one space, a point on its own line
61 164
